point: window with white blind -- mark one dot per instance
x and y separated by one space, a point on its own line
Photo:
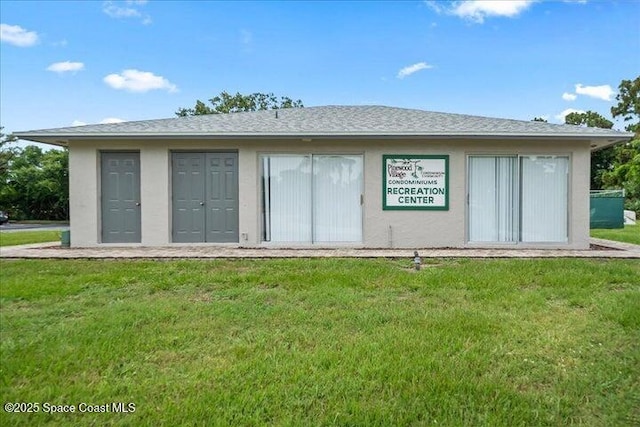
518 199
311 198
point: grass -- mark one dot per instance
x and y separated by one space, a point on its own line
628 234
323 342
13 238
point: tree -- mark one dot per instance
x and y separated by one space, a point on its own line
626 171
628 107
226 103
539 119
601 160
589 119
36 184
6 154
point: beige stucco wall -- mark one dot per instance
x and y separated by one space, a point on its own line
399 229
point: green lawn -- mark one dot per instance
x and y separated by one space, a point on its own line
24 237
323 342
629 234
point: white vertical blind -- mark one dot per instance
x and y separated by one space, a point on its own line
507 198
544 198
525 200
337 186
492 199
312 198
482 199
289 198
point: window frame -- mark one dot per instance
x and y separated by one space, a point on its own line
308 154
519 179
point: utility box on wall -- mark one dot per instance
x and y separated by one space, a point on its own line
606 209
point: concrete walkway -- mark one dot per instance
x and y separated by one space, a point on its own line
605 249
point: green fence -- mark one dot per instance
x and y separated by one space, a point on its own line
607 209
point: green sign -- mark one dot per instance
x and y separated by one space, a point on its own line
415 182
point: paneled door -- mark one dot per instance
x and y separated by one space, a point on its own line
120 197
205 197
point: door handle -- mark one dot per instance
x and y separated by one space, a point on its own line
137 203
201 203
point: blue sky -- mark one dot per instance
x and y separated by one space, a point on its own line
69 63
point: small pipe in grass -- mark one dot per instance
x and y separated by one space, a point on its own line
417 261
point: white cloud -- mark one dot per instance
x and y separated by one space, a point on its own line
116 11
78 123
17 36
604 92
436 6
139 81
478 10
128 9
111 120
408 70
569 96
563 114
66 66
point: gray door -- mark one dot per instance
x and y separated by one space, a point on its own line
222 197
188 197
205 197
120 197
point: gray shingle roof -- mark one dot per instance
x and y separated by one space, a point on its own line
329 121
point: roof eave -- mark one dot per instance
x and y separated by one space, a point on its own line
62 139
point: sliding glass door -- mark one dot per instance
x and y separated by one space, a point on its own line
287 198
518 199
545 194
337 192
312 198
493 192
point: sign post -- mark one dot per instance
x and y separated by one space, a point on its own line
415 182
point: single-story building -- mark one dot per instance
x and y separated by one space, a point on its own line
357 176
